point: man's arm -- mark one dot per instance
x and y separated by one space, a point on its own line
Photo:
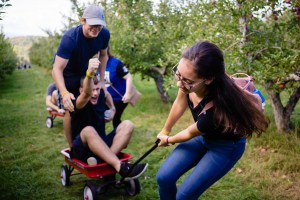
57 74
103 57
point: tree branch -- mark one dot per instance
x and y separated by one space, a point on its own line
161 71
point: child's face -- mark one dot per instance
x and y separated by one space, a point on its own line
95 93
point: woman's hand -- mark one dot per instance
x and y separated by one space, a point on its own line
126 98
163 139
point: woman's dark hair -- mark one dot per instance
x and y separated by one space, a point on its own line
235 110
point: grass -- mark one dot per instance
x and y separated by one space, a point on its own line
31 160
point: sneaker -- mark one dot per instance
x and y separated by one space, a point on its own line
128 174
92 161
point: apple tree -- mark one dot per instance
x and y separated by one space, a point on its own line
261 38
148 37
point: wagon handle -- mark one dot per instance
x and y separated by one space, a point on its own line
141 158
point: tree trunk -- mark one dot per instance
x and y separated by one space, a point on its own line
159 81
283 114
243 27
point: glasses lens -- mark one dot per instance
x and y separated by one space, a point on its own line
178 78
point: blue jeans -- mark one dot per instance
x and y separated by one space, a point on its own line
211 160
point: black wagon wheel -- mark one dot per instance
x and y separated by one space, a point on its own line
49 122
65 175
89 191
132 187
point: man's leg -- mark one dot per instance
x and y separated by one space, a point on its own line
90 137
67 128
122 137
54 97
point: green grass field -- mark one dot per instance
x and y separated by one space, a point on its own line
31 160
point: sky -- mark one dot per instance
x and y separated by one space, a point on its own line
31 17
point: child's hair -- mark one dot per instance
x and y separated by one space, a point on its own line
234 110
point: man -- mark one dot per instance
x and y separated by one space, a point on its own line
76 47
88 127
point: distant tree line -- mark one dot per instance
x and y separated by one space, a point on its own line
42 51
8 58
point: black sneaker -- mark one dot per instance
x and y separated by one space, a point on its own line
128 174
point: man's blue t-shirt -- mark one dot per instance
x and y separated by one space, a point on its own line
78 49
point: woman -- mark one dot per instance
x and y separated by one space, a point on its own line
119 84
217 139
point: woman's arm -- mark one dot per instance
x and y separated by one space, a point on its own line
182 136
178 108
129 85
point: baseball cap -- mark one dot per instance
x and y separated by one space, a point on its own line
94 15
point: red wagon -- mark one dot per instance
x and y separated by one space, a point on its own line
53 114
132 187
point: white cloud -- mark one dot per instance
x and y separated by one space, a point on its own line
31 17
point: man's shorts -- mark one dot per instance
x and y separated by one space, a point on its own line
82 152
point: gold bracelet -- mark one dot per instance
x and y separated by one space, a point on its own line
165 132
89 75
64 93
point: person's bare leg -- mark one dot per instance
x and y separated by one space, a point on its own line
67 128
54 97
122 137
90 137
